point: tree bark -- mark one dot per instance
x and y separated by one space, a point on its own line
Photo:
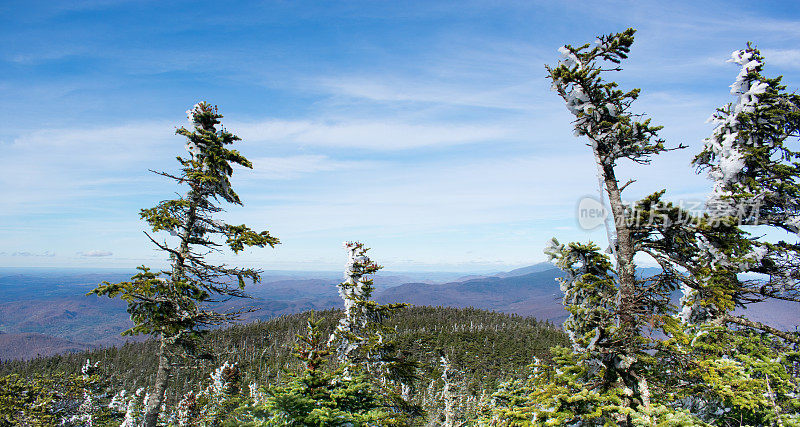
626 274
626 270
162 378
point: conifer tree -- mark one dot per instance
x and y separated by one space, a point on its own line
753 160
362 340
173 305
705 365
360 332
603 116
318 396
731 366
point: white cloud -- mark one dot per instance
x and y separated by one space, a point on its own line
291 167
95 253
369 134
515 96
788 58
405 198
48 168
45 254
126 140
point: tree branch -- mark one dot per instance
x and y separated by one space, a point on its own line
788 336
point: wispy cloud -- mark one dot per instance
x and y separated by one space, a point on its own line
428 129
95 253
51 167
383 89
27 254
282 168
373 135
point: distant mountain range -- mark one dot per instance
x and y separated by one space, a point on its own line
534 292
47 312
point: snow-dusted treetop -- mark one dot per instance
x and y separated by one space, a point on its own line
356 291
602 112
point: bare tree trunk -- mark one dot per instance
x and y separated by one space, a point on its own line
162 377
626 273
626 270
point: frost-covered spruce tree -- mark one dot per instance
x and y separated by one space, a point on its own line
362 340
603 116
359 311
360 336
448 394
173 305
704 365
728 366
602 380
318 396
89 408
753 160
56 399
221 396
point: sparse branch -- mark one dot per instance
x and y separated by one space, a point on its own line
741 321
630 181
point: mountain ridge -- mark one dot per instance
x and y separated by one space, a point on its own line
78 322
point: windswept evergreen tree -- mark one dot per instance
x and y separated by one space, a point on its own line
360 333
173 305
753 160
732 368
362 338
362 341
603 116
636 359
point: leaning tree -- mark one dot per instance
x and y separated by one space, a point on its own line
638 358
608 305
176 304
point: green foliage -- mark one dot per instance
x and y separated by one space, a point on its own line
729 377
54 399
608 306
485 348
171 304
752 159
602 111
364 343
316 396
589 292
694 370
636 359
158 306
241 236
175 307
563 392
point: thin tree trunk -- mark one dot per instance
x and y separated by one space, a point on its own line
626 270
164 365
162 378
183 251
626 273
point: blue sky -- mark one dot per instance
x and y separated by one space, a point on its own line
425 129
